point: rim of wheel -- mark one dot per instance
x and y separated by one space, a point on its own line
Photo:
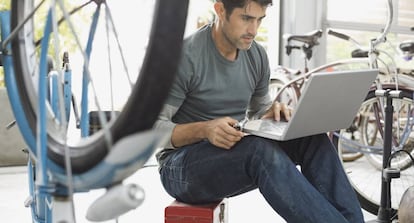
146 99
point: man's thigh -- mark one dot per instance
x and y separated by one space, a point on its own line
204 172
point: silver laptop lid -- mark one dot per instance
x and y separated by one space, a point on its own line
329 101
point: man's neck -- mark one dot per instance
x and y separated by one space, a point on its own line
222 44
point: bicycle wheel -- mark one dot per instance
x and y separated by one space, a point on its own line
288 94
142 103
365 173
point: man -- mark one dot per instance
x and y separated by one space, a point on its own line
224 75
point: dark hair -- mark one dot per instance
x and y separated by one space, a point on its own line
230 5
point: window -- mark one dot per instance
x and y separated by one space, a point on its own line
364 20
201 12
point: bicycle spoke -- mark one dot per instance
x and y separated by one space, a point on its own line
365 172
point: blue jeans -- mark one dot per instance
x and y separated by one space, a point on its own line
320 192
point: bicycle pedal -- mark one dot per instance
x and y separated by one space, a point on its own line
116 201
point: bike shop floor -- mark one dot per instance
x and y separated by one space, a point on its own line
249 207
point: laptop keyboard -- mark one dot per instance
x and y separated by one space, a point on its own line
273 126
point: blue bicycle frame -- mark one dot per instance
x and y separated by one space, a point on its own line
41 191
52 179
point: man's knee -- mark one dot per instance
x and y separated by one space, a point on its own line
261 151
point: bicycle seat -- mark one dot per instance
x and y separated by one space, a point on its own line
358 53
407 46
310 38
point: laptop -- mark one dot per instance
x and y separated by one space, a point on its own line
329 102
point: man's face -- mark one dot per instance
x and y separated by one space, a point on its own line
240 28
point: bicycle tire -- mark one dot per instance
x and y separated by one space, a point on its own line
363 175
146 99
287 96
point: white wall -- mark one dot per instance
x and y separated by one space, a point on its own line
11 141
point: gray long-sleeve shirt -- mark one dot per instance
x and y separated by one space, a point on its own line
209 86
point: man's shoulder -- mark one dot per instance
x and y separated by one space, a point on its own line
198 39
257 53
257 56
197 44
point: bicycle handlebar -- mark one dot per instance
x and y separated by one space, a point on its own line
339 35
344 37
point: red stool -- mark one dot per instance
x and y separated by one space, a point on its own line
178 212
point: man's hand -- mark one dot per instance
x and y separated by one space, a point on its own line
278 111
221 133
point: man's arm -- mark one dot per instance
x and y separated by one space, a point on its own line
219 132
258 106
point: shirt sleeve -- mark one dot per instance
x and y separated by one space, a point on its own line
261 100
164 122
263 71
258 106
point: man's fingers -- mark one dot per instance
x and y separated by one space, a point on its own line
276 110
232 131
288 113
224 135
268 114
223 142
281 109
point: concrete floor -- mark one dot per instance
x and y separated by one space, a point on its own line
249 207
